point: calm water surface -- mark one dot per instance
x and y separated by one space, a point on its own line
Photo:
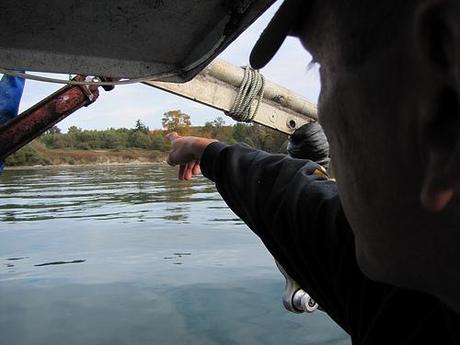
129 255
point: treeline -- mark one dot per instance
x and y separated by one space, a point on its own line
110 139
141 138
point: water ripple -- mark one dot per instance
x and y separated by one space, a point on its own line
128 193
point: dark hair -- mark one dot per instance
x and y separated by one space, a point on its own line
310 142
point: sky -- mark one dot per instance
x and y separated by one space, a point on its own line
125 104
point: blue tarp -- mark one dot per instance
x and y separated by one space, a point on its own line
11 89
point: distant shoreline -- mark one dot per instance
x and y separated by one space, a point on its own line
38 155
54 166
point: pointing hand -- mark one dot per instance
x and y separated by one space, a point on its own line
187 152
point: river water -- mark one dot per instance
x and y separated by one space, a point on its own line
130 255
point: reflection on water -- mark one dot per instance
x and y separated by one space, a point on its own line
103 193
130 255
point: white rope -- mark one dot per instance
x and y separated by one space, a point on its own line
94 82
251 88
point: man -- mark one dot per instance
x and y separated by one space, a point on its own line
379 251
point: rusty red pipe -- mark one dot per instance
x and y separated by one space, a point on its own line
44 115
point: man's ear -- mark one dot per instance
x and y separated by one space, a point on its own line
437 35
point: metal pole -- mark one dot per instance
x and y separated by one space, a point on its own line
42 116
217 86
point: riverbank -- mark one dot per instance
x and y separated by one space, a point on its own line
37 154
57 166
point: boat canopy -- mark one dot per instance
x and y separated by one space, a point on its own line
168 40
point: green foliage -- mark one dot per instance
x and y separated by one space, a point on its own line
260 137
26 156
141 137
157 142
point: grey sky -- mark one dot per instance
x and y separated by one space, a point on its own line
125 104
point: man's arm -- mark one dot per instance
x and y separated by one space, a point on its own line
291 206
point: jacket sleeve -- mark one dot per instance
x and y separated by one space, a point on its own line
297 214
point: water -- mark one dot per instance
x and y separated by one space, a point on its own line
129 255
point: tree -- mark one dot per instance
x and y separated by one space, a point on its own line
218 123
74 130
176 120
241 132
53 130
141 127
157 141
140 140
216 129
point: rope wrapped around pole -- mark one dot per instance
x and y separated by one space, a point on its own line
251 88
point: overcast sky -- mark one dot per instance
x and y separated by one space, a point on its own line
125 104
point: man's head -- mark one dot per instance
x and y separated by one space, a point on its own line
390 107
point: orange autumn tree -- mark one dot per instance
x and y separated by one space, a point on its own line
176 121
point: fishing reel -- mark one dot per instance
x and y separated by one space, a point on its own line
295 299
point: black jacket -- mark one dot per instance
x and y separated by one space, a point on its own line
296 212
